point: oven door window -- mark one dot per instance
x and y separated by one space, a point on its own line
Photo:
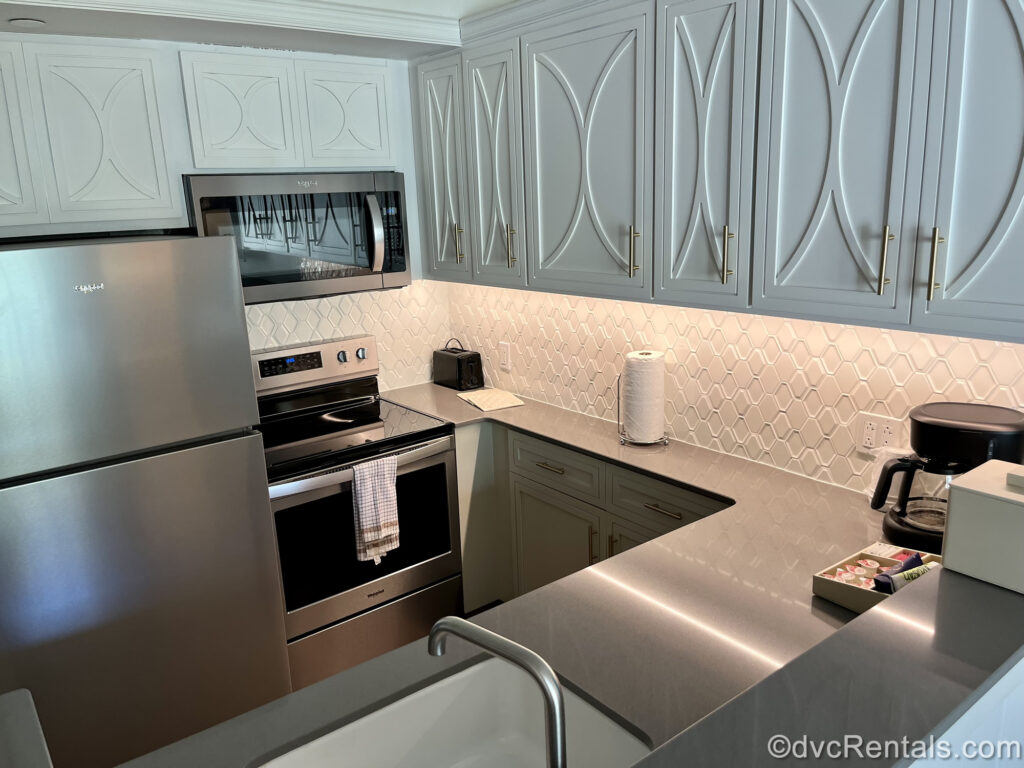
294 238
317 545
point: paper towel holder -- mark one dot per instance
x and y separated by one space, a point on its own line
623 440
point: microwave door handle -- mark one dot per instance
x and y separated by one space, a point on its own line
376 233
340 477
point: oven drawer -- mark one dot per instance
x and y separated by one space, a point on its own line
370 634
564 470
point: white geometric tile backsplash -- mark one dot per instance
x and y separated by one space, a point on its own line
409 323
779 391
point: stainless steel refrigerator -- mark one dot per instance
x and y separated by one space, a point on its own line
140 597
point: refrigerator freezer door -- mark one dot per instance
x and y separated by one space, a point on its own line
141 602
118 347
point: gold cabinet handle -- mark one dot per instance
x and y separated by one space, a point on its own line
882 279
611 545
667 513
726 237
459 255
508 245
549 468
932 285
633 266
590 542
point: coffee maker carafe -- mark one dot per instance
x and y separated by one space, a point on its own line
948 439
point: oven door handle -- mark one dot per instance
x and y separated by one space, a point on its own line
377 233
344 474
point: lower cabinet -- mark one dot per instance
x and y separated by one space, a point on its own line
555 534
570 510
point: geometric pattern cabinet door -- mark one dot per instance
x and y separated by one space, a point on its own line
834 133
443 166
21 197
242 110
344 112
99 125
588 109
495 163
974 175
707 50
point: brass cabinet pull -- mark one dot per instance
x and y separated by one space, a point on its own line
633 266
611 545
667 513
508 245
726 237
882 279
590 542
932 285
549 468
459 255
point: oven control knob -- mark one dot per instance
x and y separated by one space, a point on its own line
343 356
361 353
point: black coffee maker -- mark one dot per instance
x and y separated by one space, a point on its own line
948 439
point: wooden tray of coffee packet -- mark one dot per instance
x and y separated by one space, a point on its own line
848 594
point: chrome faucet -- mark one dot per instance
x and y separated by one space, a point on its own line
539 670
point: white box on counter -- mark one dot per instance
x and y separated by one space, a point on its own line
985 525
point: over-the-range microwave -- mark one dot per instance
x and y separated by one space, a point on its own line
302 235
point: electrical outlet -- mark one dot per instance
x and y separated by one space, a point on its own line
879 431
505 355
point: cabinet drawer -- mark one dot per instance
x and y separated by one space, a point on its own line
559 468
655 504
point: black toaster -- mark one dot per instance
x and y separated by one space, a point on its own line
458 368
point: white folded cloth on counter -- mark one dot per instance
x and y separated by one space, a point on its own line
375 507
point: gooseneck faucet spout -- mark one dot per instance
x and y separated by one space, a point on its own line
524 658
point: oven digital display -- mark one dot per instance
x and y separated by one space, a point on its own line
290 364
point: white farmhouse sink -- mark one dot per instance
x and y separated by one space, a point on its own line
491 714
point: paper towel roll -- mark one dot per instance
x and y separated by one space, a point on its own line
643 396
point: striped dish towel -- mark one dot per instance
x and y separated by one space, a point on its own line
375 508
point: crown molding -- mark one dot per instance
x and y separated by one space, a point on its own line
329 16
479 26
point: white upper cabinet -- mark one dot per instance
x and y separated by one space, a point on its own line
344 113
443 166
98 124
705 139
834 130
21 198
242 110
495 163
974 173
588 127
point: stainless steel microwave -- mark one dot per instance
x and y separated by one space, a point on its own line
302 235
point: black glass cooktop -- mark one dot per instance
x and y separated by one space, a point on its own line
310 429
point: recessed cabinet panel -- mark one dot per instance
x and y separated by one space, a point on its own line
587 119
21 199
974 180
705 135
99 123
242 110
344 113
555 535
441 120
834 133
495 164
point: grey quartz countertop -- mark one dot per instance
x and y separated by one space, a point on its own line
665 634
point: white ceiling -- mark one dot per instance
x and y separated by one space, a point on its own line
388 29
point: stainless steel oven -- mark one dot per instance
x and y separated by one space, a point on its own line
307 235
340 611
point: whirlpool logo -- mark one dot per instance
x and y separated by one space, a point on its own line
89 287
307 183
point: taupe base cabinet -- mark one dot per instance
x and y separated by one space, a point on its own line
570 510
